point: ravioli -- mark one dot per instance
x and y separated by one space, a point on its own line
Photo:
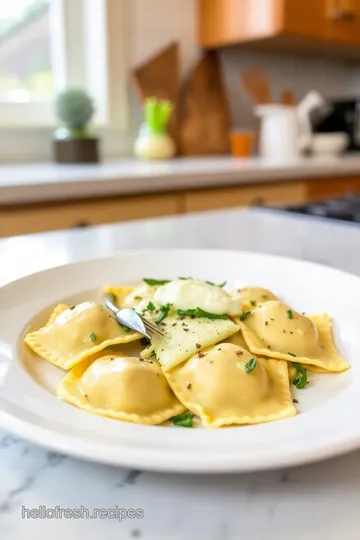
72 334
184 336
130 297
120 387
192 293
277 331
254 297
237 339
215 385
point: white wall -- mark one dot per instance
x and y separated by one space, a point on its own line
300 73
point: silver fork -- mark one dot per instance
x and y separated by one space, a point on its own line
131 319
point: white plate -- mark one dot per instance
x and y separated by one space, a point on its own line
330 407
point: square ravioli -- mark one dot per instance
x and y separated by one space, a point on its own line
227 385
120 387
276 331
184 336
74 333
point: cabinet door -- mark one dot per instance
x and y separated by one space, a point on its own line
344 17
308 18
275 194
68 215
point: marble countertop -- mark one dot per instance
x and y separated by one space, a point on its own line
49 182
319 501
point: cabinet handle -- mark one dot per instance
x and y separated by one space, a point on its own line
80 225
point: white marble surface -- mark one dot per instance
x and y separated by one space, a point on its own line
319 502
39 182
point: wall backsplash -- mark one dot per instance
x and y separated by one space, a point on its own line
285 71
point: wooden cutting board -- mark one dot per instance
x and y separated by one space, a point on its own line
203 110
160 77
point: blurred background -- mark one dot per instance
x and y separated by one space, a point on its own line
172 106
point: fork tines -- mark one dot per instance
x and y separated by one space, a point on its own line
152 328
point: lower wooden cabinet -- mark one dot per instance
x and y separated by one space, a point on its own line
274 194
49 217
66 215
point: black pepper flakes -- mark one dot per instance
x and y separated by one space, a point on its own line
186 329
182 318
291 332
189 386
173 324
201 354
272 319
266 323
72 307
239 353
295 400
197 345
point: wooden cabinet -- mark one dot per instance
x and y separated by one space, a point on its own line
271 194
281 23
49 217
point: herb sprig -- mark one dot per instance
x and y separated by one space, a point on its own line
92 336
154 282
164 312
245 315
301 380
184 420
289 313
250 365
198 312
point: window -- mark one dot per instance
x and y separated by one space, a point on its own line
25 52
48 45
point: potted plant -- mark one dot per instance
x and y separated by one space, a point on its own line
74 143
153 141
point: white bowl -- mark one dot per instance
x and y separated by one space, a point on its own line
329 143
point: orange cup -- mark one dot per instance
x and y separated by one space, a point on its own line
241 143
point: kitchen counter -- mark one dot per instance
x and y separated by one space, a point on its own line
49 182
319 501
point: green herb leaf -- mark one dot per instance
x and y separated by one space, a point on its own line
138 297
185 278
150 306
215 284
252 303
289 313
125 328
245 315
301 381
250 365
164 312
292 354
92 336
198 312
153 282
184 420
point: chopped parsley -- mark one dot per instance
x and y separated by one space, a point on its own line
292 354
125 328
184 278
150 306
138 297
264 296
245 315
215 284
289 313
164 312
184 420
92 336
252 303
301 380
250 365
153 282
198 312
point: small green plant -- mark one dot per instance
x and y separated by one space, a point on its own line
75 108
157 113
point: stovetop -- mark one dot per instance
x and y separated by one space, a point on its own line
346 209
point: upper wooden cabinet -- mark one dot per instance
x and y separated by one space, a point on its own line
281 23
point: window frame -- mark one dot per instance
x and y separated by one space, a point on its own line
99 66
